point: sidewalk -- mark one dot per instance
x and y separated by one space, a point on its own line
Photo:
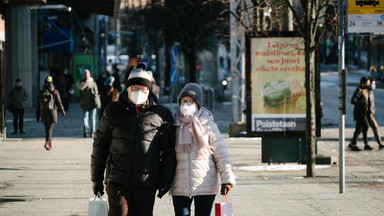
34 181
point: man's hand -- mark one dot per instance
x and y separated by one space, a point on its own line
163 189
98 187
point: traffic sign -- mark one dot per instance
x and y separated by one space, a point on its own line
365 16
173 75
173 55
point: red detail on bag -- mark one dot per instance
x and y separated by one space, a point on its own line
217 209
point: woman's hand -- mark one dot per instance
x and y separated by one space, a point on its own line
225 188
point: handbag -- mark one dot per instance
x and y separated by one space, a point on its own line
96 98
98 206
224 208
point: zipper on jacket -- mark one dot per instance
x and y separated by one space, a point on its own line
190 175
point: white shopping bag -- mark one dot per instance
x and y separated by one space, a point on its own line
223 208
98 206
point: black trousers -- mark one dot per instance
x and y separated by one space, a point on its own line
18 114
361 127
131 201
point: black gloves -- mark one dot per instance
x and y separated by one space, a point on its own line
98 187
163 189
225 188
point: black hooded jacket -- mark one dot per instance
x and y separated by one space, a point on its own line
361 104
134 149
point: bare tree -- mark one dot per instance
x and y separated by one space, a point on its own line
308 17
309 23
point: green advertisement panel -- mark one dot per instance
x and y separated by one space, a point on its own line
80 63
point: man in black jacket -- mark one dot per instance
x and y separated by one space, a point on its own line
361 101
134 145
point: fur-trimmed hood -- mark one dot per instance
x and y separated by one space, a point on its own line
84 84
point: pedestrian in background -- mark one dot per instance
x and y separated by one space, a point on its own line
134 147
18 95
362 102
46 109
61 87
88 102
110 95
201 156
69 82
155 88
371 112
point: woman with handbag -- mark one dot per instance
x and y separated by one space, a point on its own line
201 156
89 101
46 109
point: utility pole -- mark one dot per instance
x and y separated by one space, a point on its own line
342 98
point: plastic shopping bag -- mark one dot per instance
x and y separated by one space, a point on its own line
98 206
223 208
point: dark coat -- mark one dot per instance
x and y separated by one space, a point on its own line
87 91
60 85
135 149
48 116
361 104
18 96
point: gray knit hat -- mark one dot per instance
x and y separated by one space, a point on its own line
140 76
194 91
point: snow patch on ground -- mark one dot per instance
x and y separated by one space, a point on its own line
282 167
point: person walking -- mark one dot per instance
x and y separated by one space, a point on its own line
109 95
371 112
134 147
18 95
361 101
61 86
46 109
88 102
69 83
201 156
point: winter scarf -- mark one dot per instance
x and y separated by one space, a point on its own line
192 135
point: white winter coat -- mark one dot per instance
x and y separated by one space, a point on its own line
198 175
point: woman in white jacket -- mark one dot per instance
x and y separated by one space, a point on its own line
201 156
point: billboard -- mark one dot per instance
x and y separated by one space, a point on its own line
365 16
276 81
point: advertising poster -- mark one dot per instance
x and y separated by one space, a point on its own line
277 76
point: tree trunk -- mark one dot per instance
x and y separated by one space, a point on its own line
309 79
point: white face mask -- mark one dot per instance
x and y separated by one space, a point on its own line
139 97
188 109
